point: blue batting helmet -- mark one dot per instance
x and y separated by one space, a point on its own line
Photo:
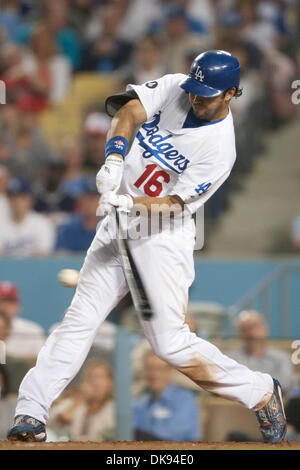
212 73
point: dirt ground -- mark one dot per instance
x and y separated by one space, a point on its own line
155 445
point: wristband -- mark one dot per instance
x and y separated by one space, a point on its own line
117 144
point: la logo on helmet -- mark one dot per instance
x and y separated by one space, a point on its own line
198 74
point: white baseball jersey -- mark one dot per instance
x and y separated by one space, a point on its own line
34 234
174 152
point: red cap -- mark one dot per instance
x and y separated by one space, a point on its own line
9 291
97 124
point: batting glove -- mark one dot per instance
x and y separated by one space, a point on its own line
110 174
109 200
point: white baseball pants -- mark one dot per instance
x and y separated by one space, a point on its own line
167 269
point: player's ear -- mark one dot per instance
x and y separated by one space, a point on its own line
230 94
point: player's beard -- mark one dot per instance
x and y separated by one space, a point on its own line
209 113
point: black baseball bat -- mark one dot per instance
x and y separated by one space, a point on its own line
135 283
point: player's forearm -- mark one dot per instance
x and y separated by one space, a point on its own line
122 125
160 205
126 120
132 114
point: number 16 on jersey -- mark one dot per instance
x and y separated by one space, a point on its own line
155 179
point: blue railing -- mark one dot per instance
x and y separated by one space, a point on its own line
275 288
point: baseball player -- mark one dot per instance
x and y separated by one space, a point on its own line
182 149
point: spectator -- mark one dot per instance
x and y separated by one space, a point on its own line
15 368
81 14
90 414
262 23
165 412
51 69
178 40
147 63
77 233
191 10
72 155
256 355
269 28
107 52
24 232
51 197
7 404
39 72
292 410
19 77
10 18
3 374
137 17
28 151
96 126
8 121
281 70
5 326
204 12
54 19
251 83
229 35
25 338
4 204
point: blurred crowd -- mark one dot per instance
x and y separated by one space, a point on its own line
166 404
47 196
